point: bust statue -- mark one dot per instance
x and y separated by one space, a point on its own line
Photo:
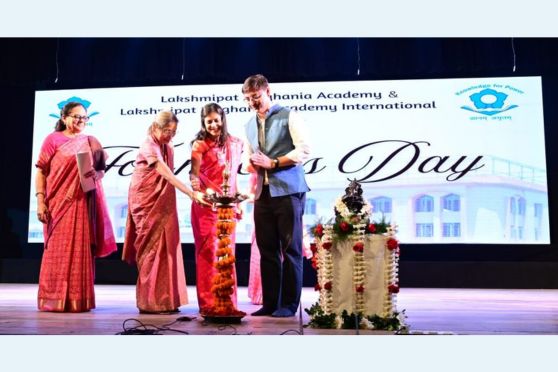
353 197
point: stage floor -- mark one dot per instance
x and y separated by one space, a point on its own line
428 310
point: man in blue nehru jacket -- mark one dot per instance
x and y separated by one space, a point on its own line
276 147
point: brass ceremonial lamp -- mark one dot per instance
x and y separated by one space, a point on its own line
223 310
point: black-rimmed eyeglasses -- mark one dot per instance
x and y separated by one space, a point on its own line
78 118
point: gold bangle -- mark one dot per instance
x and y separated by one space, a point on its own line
40 192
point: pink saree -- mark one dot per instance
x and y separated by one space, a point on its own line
255 276
73 235
152 233
213 160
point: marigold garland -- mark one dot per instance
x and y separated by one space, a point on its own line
223 280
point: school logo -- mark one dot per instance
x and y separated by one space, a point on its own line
489 101
84 102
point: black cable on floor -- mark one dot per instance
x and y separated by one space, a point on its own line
289 331
300 326
178 320
147 329
222 327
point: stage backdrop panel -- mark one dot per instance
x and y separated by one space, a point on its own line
448 160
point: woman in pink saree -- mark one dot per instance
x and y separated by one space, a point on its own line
77 227
213 150
152 233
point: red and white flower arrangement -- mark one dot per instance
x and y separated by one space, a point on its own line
354 226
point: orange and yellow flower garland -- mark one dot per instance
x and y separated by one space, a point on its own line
223 281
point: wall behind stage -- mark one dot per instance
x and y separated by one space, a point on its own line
27 65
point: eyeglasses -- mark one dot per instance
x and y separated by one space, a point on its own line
168 132
78 118
252 98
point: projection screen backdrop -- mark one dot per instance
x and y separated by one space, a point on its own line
447 160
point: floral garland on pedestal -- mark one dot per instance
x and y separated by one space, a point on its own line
358 267
325 263
392 274
354 225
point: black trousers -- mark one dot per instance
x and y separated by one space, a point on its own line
279 231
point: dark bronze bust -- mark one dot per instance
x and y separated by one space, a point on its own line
353 197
